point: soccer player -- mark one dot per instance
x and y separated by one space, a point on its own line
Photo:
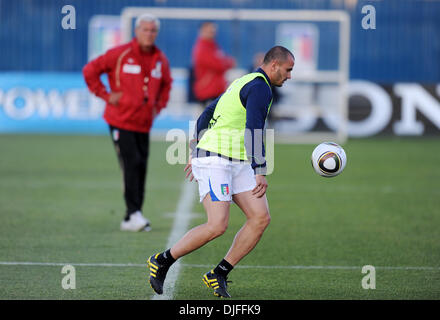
227 168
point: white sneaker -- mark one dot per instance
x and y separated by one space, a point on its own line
137 222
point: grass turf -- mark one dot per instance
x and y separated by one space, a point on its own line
61 201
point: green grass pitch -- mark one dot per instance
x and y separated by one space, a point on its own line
61 202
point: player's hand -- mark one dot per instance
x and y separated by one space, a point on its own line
260 188
114 98
188 170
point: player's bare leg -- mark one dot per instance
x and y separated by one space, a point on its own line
218 218
254 205
258 218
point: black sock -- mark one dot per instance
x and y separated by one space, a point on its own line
165 258
223 268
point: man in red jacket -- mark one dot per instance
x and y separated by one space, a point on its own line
210 65
140 82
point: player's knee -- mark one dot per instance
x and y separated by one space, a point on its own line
261 220
217 230
265 220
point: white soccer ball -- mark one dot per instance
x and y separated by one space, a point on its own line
328 159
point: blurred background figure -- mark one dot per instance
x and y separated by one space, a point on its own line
140 83
210 64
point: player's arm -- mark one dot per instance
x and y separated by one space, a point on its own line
201 126
257 101
256 97
203 123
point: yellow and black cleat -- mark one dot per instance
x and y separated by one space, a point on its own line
218 283
157 274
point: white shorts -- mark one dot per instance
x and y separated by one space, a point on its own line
222 178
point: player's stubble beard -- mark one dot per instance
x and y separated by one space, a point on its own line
281 80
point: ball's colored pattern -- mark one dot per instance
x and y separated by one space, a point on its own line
328 159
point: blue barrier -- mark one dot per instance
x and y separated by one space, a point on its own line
34 102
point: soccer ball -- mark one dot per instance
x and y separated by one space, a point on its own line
328 159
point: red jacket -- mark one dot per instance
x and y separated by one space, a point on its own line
210 65
143 78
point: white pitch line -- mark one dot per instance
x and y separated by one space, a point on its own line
319 267
180 226
128 265
56 264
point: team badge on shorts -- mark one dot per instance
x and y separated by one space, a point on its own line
115 134
225 189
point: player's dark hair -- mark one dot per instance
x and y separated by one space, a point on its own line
277 53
